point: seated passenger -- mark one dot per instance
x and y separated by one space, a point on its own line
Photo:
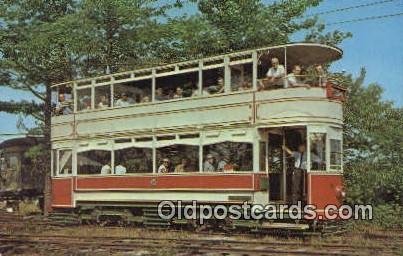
103 102
124 101
106 169
159 95
208 164
274 77
224 165
145 99
295 79
321 75
120 169
178 93
183 166
164 167
62 106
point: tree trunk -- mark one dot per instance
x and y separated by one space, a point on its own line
47 170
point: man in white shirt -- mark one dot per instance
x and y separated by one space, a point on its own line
120 169
106 169
164 166
124 101
208 164
300 157
275 75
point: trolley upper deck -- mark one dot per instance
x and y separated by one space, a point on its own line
211 92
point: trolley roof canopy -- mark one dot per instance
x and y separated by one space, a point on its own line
294 53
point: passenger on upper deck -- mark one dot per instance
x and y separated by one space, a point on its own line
321 75
163 168
275 75
124 101
63 106
295 78
178 93
208 164
145 99
159 94
103 102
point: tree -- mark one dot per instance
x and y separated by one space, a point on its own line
46 42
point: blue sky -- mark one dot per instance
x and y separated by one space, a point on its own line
376 45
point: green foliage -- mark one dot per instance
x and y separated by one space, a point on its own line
373 127
373 151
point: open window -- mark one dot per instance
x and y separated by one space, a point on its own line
62 100
102 97
94 162
178 158
65 162
335 154
130 93
241 77
228 157
133 160
317 151
213 81
84 99
176 86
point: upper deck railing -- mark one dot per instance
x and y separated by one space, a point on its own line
241 71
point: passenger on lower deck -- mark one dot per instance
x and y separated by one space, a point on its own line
164 167
208 164
120 169
106 169
183 166
224 165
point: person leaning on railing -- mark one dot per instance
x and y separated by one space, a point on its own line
274 77
295 79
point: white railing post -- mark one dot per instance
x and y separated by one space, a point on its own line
227 75
254 70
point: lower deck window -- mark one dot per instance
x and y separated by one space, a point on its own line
335 154
318 151
65 162
178 159
133 160
228 157
94 162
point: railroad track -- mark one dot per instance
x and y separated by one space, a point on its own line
193 246
197 244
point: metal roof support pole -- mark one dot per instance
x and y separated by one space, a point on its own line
93 94
112 88
153 84
227 75
254 72
154 152
256 153
74 160
285 68
113 159
200 83
74 97
201 152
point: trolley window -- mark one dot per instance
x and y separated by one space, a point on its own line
94 162
133 160
318 151
65 162
228 157
335 154
178 159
